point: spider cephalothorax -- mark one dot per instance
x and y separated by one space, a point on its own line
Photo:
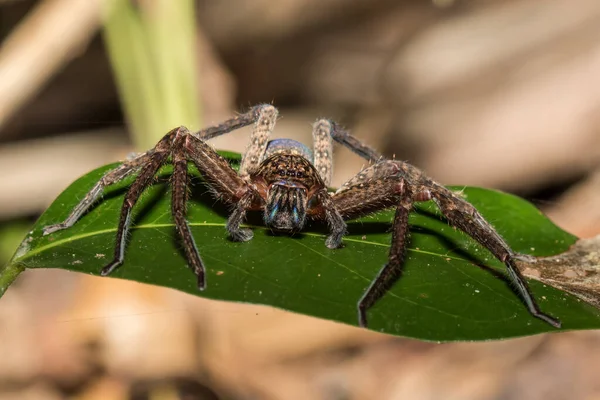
288 183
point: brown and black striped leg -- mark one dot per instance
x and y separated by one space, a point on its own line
145 177
259 138
337 225
226 184
323 150
391 271
111 177
236 218
263 116
465 217
179 192
345 138
248 118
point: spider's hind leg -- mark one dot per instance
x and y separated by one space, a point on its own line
378 187
130 166
465 217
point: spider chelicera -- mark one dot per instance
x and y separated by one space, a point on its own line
289 183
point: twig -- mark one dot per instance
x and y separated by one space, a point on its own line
55 32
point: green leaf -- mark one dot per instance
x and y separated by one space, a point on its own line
450 289
11 234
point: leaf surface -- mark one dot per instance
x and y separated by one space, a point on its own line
451 288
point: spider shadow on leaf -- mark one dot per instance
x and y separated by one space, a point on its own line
149 199
447 241
481 260
199 192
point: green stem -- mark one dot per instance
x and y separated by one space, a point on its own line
152 49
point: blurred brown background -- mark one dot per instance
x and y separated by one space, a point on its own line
502 94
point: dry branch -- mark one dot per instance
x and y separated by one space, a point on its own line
55 32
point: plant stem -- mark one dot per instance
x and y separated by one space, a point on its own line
153 56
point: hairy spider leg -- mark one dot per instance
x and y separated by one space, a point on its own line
142 181
465 217
134 164
373 172
111 177
225 182
259 138
392 270
335 221
230 125
345 138
323 149
179 196
236 218
376 189
351 201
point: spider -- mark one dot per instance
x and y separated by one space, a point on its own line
289 183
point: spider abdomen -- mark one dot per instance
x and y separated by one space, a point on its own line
288 146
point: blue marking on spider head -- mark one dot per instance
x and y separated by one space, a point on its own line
288 146
285 208
273 212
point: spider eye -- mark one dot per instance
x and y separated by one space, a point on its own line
299 174
281 172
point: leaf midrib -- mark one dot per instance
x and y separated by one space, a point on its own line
74 238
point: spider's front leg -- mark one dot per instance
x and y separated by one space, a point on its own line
365 196
392 270
332 216
225 183
266 116
181 144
